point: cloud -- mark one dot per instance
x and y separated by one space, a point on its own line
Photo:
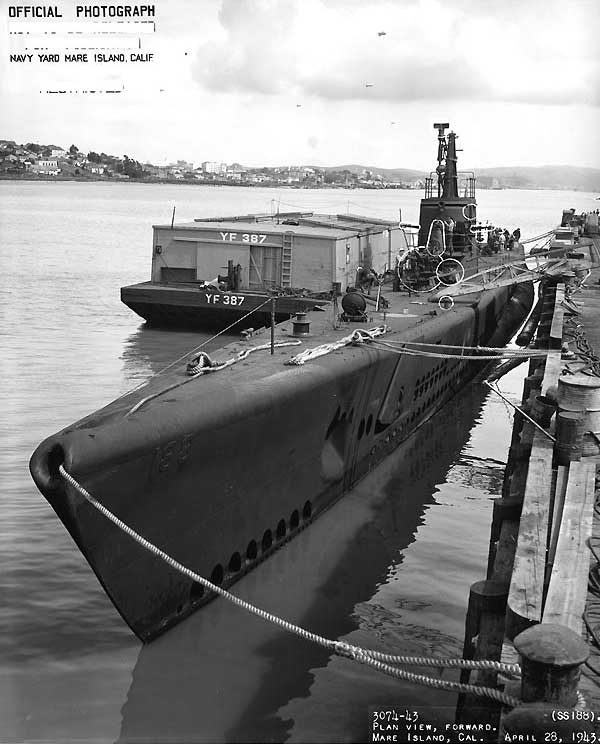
526 51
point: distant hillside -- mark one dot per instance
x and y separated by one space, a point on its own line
559 177
388 174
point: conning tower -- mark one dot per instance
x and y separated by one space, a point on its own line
449 196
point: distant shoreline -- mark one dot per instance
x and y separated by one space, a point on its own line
266 185
194 182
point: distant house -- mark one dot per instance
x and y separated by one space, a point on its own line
212 167
236 173
58 152
98 170
259 178
152 170
46 168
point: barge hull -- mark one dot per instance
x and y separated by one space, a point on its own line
195 307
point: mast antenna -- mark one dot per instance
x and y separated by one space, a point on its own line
441 127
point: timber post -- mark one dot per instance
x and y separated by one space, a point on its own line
485 622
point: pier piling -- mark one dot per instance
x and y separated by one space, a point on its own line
534 597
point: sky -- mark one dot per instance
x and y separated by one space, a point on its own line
314 82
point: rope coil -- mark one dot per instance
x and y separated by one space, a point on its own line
372 659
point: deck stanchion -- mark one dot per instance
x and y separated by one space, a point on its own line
272 325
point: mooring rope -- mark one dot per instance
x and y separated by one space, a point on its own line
201 364
212 338
372 659
195 349
356 338
518 410
502 353
525 352
205 365
537 237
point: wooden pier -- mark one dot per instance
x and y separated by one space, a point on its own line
530 609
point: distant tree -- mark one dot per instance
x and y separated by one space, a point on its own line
333 177
46 152
73 150
32 147
93 157
131 168
110 160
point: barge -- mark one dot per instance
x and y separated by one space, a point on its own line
220 461
215 272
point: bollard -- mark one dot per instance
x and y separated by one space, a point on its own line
581 392
570 427
542 410
301 326
551 659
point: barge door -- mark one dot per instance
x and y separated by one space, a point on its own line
265 266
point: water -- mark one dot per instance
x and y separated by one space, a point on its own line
388 567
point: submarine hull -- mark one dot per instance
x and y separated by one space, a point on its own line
220 472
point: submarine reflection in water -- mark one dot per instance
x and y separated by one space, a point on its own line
224 674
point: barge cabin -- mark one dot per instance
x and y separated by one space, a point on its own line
213 272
